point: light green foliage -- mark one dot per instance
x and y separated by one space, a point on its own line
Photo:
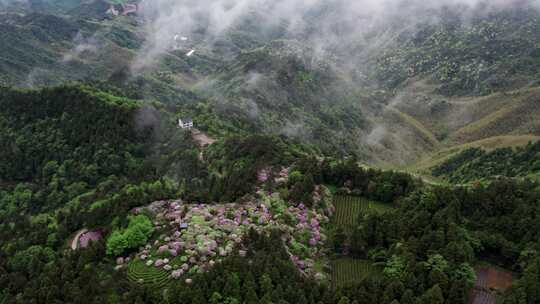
136 234
19 199
116 243
394 267
465 273
295 177
344 300
436 262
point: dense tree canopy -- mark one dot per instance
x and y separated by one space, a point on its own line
91 175
477 164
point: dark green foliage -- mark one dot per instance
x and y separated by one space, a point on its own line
527 289
94 164
476 164
124 38
266 274
238 160
78 157
71 129
302 190
273 90
383 186
436 235
75 156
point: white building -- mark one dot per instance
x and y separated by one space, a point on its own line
185 123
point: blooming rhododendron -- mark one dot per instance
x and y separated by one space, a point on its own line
213 232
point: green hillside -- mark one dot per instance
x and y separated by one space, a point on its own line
274 89
107 196
53 125
101 157
432 160
489 54
437 86
477 164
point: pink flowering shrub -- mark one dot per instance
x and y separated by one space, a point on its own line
197 237
90 236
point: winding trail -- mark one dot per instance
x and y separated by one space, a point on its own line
75 241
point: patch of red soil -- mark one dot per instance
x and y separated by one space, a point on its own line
493 278
489 280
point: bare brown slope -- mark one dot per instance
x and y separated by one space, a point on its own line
444 126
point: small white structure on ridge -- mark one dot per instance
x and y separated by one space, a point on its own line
112 11
185 123
190 53
182 38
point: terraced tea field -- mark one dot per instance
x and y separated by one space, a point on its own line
348 208
152 276
482 297
346 271
489 279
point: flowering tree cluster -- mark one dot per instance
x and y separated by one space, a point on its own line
90 236
195 237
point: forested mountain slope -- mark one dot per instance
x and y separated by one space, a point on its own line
75 125
460 79
105 198
489 52
476 164
102 157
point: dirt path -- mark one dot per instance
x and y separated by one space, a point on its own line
202 138
75 241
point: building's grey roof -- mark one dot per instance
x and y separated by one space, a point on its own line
186 120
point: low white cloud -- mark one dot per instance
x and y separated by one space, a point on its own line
326 24
82 45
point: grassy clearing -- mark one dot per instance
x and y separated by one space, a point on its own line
152 276
517 115
346 271
348 208
427 135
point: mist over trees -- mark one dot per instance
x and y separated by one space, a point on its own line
275 195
